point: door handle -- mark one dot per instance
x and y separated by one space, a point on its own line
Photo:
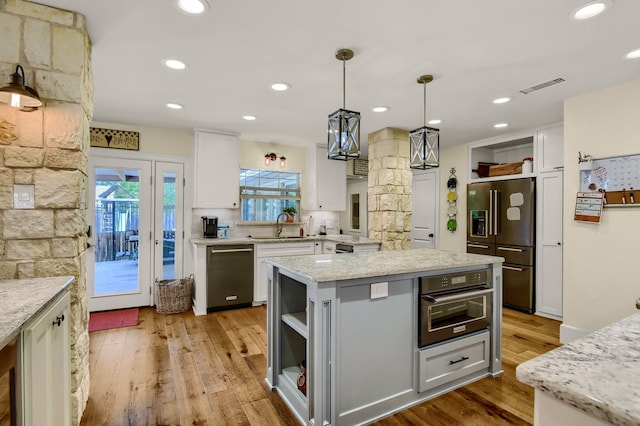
430 235
638 303
230 250
478 246
510 249
559 243
511 268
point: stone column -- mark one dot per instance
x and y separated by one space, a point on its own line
47 150
390 183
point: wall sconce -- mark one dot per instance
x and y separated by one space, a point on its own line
344 125
18 95
272 156
424 142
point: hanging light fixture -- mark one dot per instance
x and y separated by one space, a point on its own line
425 140
18 95
344 125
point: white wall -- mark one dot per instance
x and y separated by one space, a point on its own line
600 264
252 156
455 156
156 141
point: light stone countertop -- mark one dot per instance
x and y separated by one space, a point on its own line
598 374
345 266
21 300
342 238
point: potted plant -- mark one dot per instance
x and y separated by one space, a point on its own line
290 212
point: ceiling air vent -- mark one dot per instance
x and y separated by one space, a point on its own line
542 85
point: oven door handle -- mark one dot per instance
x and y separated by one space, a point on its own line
458 296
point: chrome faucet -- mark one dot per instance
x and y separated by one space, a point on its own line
279 226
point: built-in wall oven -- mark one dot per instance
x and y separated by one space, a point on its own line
453 305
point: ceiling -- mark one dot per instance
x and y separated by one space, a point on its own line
476 51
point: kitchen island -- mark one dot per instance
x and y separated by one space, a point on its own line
590 381
351 323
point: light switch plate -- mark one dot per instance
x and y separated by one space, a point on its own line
23 197
379 290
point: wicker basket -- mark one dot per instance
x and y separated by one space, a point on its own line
173 296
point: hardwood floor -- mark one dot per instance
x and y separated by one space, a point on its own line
209 370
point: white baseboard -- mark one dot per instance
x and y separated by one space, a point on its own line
550 316
569 333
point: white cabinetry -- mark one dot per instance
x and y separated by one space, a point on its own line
328 247
216 169
549 245
45 367
550 156
326 181
264 251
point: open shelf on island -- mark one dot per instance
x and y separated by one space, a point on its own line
297 321
290 375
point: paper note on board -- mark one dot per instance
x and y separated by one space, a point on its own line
513 213
516 199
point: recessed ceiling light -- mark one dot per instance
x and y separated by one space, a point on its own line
591 9
381 108
249 117
501 100
280 86
500 125
632 54
174 64
435 121
193 7
173 105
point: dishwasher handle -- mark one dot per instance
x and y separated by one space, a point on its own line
214 251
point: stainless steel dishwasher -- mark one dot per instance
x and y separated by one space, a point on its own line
229 276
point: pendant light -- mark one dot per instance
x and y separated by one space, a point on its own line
344 125
424 142
18 95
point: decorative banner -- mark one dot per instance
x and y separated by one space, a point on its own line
116 139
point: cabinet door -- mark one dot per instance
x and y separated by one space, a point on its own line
260 287
326 181
550 149
549 247
46 369
217 170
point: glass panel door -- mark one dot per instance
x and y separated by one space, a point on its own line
169 235
118 265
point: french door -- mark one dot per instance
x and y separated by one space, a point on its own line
136 219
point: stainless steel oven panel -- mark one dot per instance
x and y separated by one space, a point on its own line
455 281
454 315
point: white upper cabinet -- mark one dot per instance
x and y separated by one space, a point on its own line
506 150
216 169
326 181
550 149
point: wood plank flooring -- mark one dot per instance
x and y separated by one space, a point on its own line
209 370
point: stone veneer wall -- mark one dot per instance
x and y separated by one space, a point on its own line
390 183
48 149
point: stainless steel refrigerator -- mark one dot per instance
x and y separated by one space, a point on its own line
501 222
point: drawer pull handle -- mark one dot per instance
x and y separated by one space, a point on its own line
511 268
58 320
464 358
511 249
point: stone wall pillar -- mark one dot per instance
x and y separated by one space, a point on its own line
47 149
390 183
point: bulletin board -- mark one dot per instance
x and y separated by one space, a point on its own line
617 177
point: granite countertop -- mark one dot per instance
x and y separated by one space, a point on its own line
598 374
21 300
341 238
345 266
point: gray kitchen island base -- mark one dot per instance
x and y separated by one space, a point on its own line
354 326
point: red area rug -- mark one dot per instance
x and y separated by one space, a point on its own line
113 319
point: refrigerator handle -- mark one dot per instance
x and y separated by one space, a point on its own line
490 218
496 212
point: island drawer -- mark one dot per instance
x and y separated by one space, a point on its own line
444 363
